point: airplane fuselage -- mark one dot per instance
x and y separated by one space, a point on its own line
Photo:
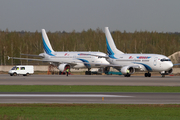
80 59
147 62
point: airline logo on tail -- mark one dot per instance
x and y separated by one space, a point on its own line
46 44
111 47
110 52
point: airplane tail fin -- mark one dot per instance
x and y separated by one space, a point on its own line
46 44
111 47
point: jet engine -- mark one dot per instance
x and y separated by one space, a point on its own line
124 70
63 67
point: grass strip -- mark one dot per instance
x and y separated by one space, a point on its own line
88 111
79 88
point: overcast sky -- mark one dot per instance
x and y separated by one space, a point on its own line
79 15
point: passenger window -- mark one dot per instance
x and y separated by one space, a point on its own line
22 68
17 68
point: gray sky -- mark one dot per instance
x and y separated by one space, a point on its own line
79 15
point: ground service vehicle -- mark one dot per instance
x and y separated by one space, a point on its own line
24 70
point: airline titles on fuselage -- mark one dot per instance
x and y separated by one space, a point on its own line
143 57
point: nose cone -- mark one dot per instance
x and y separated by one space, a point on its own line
168 65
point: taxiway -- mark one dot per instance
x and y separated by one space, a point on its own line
89 80
104 98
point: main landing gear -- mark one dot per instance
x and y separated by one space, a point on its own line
147 74
88 72
127 75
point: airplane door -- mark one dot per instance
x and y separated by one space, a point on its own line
155 61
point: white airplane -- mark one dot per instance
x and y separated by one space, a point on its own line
65 60
136 62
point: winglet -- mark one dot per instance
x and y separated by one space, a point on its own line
111 47
46 44
9 57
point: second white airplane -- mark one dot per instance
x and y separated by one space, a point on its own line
65 60
136 62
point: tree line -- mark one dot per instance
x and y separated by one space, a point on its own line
14 43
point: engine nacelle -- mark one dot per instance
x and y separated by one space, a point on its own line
124 70
63 67
166 72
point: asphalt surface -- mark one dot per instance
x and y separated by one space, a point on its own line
89 80
104 98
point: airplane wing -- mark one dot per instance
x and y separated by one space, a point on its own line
135 66
127 66
42 60
32 55
29 59
100 56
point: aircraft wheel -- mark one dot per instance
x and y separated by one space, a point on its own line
88 73
149 75
145 74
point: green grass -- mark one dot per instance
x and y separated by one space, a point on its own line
76 88
88 112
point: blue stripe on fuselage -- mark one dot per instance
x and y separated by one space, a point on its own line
146 66
86 64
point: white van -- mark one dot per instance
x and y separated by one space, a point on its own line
24 70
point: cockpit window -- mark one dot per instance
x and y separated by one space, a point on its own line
162 60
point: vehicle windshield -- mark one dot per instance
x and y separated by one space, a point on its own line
14 68
164 59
